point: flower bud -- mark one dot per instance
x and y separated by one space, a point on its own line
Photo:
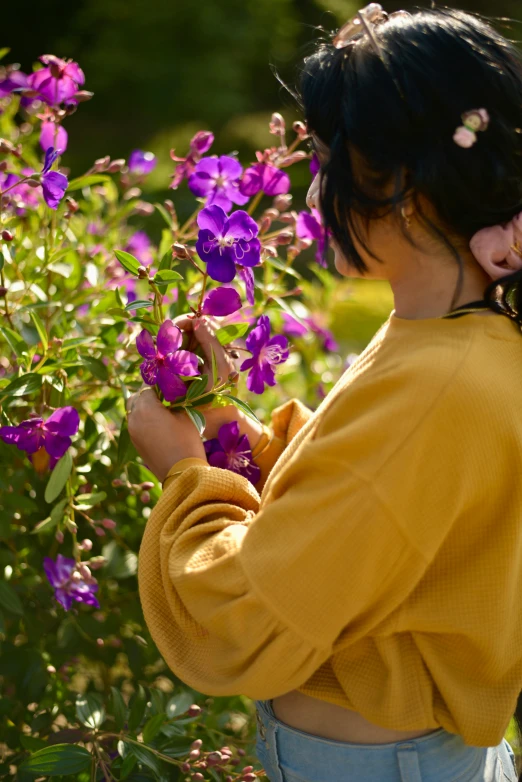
147 485
277 124
75 576
194 710
196 744
85 572
295 157
272 213
145 497
59 535
7 236
3 165
229 778
185 767
100 532
71 526
50 669
290 218
85 545
116 642
194 753
144 209
270 251
57 342
143 272
247 769
100 642
285 237
301 129
249 778
214 758
197 777
32 183
72 204
241 752
264 224
116 166
226 751
82 95
171 209
102 163
118 482
5 146
235 761
233 377
202 764
108 524
180 251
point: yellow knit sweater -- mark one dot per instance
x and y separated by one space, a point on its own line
381 568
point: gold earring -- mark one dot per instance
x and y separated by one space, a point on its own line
406 218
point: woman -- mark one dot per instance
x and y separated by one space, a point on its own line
369 599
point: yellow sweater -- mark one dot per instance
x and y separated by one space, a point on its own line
381 569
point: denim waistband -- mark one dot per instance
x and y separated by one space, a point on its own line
291 755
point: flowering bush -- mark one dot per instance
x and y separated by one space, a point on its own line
86 308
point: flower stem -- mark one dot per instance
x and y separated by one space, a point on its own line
6 305
253 206
18 182
184 228
203 289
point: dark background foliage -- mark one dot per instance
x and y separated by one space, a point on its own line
161 69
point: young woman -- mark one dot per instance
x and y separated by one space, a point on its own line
369 598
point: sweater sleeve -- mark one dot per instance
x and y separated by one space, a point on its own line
287 420
248 599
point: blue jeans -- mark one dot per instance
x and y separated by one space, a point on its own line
291 755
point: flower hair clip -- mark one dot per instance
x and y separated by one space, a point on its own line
363 22
472 123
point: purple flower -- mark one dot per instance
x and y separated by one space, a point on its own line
141 163
58 82
266 353
293 328
230 451
223 242
315 166
222 301
53 135
13 80
54 434
310 226
199 144
271 180
21 197
54 184
140 245
247 275
165 362
217 180
69 582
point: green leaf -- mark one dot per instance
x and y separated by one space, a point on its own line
86 501
242 406
58 759
284 268
163 212
197 418
127 766
51 522
26 384
135 305
146 757
86 181
4 52
96 367
128 261
214 367
40 329
153 726
118 708
32 743
228 334
90 710
165 261
124 443
204 400
167 276
63 269
197 387
75 342
59 477
137 706
14 340
10 600
179 704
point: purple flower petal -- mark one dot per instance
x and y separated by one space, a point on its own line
169 338
30 440
256 380
141 163
292 327
201 142
241 226
222 301
9 434
149 371
259 335
213 219
229 167
308 227
170 385
228 436
54 186
183 362
247 275
209 166
221 268
315 166
275 181
212 446
145 344
247 253
64 598
56 445
53 135
252 181
64 421
231 191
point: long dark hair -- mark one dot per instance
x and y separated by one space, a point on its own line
400 111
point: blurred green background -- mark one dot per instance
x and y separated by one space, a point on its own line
163 69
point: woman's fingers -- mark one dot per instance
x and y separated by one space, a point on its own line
203 330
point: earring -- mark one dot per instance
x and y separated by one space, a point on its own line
406 218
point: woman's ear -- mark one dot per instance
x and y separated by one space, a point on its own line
498 249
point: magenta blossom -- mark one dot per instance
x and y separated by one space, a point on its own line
54 184
58 82
199 144
262 177
53 135
54 434
140 246
315 166
266 353
165 362
293 328
310 226
230 451
70 582
22 196
222 301
224 242
141 163
12 81
217 180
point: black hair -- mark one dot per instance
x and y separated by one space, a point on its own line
398 105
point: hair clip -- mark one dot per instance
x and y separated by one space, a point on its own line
472 123
363 22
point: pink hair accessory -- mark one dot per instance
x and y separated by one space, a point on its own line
472 122
499 249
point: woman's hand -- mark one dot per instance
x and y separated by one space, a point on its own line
203 332
161 437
